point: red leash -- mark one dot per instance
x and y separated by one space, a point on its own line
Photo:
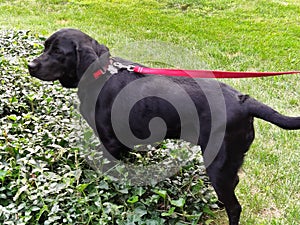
207 73
192 73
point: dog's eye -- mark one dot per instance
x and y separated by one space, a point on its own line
57 51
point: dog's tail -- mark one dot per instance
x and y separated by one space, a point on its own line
262 111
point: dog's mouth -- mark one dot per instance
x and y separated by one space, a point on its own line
35 71
43 77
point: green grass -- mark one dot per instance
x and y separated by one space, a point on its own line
222 34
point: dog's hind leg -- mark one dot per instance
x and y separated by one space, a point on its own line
224 182
223 173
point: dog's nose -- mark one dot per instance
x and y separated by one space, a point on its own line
33 66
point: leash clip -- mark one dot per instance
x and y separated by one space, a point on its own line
122 66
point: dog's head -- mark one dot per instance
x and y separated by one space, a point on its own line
67 54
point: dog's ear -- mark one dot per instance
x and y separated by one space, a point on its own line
103 55
85 56
87 53
100 49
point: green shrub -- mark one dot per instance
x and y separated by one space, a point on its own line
44 177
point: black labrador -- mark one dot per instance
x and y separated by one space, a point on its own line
70 56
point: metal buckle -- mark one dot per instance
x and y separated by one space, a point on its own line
122 66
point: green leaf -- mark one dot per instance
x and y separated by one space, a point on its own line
42 210
133 199
31 97
208 211
161 193
103 185
140 212
19 192
140 191
209 221
13 99
178 203
12 117
82 187
169 213
2 174
3 196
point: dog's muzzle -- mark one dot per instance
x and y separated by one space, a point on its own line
33 67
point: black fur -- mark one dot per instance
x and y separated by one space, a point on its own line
69 52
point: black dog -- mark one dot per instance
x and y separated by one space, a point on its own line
70 56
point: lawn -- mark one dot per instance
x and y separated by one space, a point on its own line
223 34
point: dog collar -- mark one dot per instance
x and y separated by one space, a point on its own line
113 67
102 70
